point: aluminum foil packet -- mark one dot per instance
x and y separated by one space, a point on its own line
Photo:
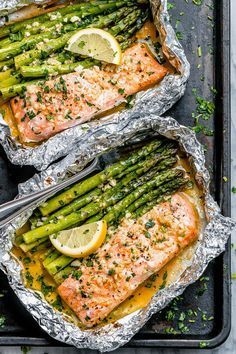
212 240
156 100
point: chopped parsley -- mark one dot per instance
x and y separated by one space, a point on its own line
149 224
43 55
29 278
164 279
90 104
2 321
31 114
81 44
203 345
46 89
204 111
121 91
45 288
147 234
27 260
111 272
49 117
58 304
39 97
76 274
16 37
197 2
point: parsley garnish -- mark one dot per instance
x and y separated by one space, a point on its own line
149 224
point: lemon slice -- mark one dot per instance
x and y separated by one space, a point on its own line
97 44
80 241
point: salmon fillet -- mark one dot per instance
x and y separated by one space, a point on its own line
78 97
137 250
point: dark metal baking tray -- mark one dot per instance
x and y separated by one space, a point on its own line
208 28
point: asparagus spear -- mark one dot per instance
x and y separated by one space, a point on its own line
125 23
58 43
139 168
95 218
123 37
106 200
13 79
45 254
58 264
6 63
4 31
90 183
50 258
162 191
63 274
162 166
44 246
90 8
161 178
16 48
127 38
73 17
166 150
7 41
126 44
26 248
45 70
4 75
143 209
18 89
77 204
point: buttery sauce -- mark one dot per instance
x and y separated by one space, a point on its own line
38 279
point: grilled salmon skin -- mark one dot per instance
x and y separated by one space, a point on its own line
78 97
137 249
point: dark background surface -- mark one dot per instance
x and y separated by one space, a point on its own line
196 26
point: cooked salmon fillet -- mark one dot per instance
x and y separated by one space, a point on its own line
78 97
137 249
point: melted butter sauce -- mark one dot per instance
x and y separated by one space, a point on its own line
34 274
36 278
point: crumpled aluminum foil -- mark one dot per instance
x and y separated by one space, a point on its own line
153 101
211 243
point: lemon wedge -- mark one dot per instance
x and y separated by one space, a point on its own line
80 241
97 44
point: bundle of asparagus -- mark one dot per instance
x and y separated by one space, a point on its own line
133 185
35 48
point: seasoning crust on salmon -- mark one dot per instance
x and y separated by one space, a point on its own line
137 249
76 98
